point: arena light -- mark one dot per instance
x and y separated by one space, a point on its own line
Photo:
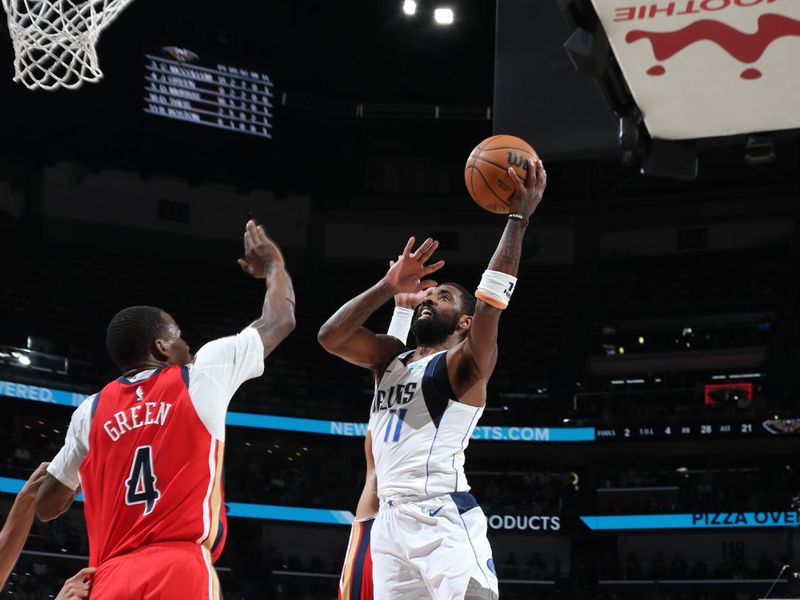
443 16
410 7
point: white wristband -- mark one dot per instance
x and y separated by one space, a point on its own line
496 288
401 323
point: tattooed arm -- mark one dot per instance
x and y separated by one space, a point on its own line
474 359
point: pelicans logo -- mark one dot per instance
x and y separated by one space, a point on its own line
782 426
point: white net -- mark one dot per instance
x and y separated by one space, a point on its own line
54 40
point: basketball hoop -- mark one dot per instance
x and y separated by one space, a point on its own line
54 40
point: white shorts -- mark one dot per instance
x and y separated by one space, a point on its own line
434 548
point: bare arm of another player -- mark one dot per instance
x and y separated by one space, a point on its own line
54 499
18 524
78 586
368 503
263 260
475 358
344 334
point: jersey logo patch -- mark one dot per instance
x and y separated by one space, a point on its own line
413 368
433 513
139 393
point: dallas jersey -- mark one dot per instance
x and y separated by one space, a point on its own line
148 452
419 430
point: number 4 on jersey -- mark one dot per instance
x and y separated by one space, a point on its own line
141 485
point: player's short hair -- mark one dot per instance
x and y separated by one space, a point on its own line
468 300
131 333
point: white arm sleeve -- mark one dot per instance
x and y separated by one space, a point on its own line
401 323
219 368
65 465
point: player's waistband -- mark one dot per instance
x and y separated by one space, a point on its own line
463 500
154 548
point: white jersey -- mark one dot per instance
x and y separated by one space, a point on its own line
419 430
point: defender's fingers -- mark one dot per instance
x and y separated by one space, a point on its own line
82 575
40 471
261 234
245 265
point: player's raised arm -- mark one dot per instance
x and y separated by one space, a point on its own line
263 260
478 353
344 334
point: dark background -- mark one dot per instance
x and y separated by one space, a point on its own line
613 255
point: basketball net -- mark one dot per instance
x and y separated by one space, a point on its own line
54 40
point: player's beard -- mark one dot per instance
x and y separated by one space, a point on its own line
432 330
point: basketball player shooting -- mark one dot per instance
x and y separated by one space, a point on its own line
355 581
147 450
429 538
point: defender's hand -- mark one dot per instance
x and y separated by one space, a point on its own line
34 482
529 194
259 251
407 274
78 586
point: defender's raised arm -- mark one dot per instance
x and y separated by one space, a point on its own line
263 260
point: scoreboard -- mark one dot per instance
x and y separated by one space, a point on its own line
747 428
181 84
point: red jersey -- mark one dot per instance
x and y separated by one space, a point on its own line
153 471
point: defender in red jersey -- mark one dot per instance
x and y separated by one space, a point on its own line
147 449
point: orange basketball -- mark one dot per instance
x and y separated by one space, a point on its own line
486 172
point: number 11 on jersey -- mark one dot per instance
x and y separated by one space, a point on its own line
401 414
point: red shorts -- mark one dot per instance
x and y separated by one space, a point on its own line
356 580
171 570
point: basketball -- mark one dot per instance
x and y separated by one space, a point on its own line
486 171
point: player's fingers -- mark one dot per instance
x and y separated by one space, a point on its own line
515 178
542 176
423 248
409 245
425 284
531 173
432 268
391 263
431 249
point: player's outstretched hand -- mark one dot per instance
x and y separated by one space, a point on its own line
78 586
407 274
259 251
410 299
34 481
529 193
